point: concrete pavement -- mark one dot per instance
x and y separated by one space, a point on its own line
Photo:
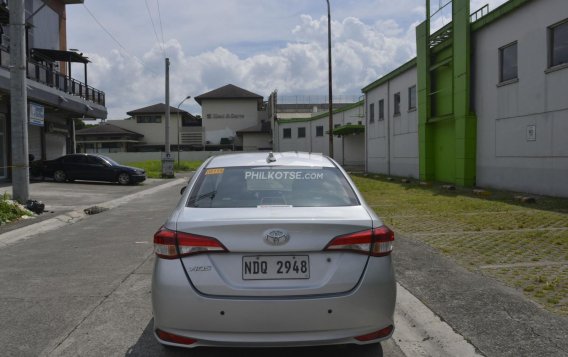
84 289
497 320
65 203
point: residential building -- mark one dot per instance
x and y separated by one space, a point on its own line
107 138
54 96
185 129
228 110
483 103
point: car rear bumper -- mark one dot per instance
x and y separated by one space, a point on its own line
272 322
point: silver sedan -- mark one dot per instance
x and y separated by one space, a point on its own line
269 250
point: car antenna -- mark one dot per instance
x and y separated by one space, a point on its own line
270 158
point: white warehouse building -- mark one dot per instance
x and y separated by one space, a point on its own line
484 103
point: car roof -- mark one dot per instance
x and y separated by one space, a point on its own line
280 159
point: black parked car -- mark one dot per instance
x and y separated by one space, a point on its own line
91 167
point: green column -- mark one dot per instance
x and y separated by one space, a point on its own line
425 142
465 120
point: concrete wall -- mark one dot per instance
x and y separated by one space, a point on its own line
507 155
56 142
126 157
255 141
46 27
392 143
223 118
295 143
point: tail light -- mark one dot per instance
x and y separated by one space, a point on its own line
170 244
376 335
376 242
170 337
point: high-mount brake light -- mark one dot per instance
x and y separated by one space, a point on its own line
375 242
170 244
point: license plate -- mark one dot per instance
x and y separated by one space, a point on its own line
274 267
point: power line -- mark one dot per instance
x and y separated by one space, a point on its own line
154 27
116 41
161 27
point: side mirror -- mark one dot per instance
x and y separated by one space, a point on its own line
182 190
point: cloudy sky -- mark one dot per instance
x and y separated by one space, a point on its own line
260 45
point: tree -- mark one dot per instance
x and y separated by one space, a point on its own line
79 124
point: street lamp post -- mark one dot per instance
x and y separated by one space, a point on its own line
330 109
179 123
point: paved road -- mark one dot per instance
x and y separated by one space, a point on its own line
84 289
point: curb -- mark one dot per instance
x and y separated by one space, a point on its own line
75 216
420 332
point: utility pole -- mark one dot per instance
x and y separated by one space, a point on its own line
19 102
167 160
330 109
168 106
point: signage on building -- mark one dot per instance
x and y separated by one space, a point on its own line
225 116
36 114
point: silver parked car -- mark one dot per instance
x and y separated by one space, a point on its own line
274 250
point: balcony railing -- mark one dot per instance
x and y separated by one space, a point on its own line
479 13
45 75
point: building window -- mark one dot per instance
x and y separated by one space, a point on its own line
397 103
302 132
558 35
287 133
412 98
508 62
372 113
381 109
319 130
146 119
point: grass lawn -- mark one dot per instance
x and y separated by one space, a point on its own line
154 167
524 245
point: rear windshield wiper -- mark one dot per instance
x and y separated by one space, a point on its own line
210 194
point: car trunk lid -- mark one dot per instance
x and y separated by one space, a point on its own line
289 239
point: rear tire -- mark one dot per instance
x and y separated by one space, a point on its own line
60 176
124 179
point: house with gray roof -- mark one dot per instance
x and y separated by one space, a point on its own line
185 129
230 110
106 138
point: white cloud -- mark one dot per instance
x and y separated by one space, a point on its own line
260 45
361 53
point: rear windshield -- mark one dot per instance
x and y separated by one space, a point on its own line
234 187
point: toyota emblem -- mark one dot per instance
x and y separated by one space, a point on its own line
276 237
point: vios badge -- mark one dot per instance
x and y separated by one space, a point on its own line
276 237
